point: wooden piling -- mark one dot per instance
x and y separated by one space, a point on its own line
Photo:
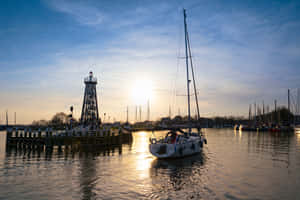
39 133
32 139
8 135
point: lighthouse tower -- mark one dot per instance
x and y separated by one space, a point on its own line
89 113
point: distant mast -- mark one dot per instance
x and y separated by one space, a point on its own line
255 114
263 111
275 108
140 113
249 112
127 115
298 102
6 118
148 110
136 111
289 109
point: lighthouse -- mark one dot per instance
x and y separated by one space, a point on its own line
89 113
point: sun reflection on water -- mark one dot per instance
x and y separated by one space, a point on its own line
297 132
143 158
141 145
240 134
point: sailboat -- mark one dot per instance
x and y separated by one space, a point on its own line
178 143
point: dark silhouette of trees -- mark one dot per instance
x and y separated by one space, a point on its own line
59 121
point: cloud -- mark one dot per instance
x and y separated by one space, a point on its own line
82 12
94 13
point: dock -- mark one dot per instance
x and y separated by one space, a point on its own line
73 140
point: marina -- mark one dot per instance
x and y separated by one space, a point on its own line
160 100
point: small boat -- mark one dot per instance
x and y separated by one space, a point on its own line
178 143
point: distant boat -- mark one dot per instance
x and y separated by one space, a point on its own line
178 143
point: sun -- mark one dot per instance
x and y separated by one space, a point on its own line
141 91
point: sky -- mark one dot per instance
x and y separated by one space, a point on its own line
243 52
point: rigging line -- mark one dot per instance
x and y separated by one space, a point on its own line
293 104
177 64
193 75
174 82
292 98
295 100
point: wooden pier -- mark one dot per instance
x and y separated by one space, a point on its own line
48 140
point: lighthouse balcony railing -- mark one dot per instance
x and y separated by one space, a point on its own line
90 80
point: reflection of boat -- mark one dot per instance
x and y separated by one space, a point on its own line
171 164
178 143
179 178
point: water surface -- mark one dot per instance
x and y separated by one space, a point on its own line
234 165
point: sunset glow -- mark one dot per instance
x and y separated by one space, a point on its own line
141 92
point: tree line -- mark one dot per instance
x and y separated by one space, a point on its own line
59 121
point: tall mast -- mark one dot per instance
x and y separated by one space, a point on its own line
193 76
187 66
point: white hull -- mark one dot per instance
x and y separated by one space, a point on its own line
192 145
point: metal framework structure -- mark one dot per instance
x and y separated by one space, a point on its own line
89 113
